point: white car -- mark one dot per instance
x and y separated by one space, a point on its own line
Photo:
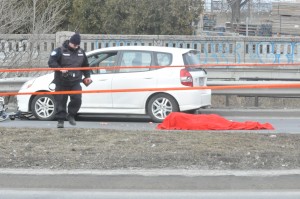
117 74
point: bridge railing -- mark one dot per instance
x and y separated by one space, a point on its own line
34 50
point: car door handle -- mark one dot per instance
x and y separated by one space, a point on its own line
148 78
102 80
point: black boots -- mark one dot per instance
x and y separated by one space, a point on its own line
71 120
60 124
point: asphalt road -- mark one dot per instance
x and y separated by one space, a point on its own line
281 124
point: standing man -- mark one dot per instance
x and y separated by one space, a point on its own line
69 55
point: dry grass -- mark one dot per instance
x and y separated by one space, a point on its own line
107 149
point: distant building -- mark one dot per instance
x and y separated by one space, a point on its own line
256 5
286 18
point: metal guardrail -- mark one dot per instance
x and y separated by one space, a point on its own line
255 92
14 84
254 73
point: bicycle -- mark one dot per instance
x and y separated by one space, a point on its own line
3 115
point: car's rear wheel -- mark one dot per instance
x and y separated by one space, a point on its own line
160 106
43 107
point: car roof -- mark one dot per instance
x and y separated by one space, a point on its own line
143 48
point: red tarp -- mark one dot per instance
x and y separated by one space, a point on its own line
184 121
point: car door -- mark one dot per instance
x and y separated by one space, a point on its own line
129 78
102 78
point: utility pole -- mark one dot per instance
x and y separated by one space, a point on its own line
248 18
249 10
34 12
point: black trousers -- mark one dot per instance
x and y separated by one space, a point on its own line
61 101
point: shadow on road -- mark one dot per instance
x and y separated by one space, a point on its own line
113 118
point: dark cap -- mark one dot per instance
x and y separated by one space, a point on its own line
75 39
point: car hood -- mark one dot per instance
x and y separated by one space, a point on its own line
39 83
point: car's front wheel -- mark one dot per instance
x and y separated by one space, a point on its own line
161 105
43 107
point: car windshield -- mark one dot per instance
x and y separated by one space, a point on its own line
97 59
106 60
192 57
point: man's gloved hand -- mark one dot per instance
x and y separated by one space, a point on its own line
87 81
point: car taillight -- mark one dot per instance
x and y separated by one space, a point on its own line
186 78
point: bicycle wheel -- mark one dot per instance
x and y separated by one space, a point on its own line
3 116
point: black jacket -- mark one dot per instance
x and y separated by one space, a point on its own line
66 57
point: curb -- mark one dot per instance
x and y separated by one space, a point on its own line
171 180
153 172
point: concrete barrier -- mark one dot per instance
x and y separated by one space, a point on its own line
34 50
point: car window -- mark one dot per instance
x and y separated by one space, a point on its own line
107 60
192 58
135 58
164 59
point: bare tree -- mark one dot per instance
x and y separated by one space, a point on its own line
47 17
236 6
31 20
31 16
13 16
